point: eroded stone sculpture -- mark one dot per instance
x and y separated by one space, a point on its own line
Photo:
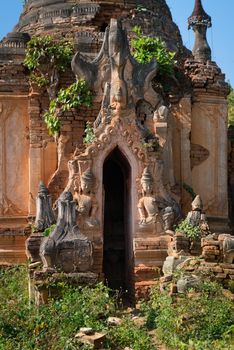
196 217
86 202
147 206
44 214
66 249
117 76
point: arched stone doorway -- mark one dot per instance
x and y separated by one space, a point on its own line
117 255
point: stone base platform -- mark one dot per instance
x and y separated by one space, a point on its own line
47 284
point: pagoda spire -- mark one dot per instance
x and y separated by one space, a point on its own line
199 21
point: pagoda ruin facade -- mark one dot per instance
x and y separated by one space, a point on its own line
152 143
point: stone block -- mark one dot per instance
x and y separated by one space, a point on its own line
96 339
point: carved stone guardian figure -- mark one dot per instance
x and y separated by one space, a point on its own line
66 249
86 202
44 214
196 217
147 205
44 219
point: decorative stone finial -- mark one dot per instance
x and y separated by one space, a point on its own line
199 21
44 214
197 203
43 188
199 16
146 177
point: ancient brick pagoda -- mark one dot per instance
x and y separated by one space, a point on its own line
151 143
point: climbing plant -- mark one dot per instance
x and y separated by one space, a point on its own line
146 48
74 96
46 58
89 134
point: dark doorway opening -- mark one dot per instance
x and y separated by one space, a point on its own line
117 242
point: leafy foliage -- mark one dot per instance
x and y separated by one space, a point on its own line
49 230
231 107
128 334
89 134
51 326
202 322
190 190
146 48
54 326
74 96
46 58
189 230
44 55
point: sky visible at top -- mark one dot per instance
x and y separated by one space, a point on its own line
220 36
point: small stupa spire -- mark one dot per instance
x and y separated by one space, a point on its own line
199 21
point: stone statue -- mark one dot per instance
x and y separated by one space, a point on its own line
86 203
115 71
44 213
147 206
227 246
66 249
196 217
161 114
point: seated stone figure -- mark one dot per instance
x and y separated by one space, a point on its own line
86 202
147 206
196 217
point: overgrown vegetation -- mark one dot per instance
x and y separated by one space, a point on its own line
49 230
89 136
74 96
202 320
190 190
195 321
54 326
231 107
190 231
145 48
46 58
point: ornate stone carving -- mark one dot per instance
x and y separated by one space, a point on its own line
7 207
66 249
147 205
196 217
44 214
227 243
116 72
86 202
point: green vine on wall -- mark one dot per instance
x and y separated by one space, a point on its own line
46 58
89 134
74 96
146 48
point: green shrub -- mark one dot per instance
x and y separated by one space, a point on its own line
190 231
201 322
44 56
52 326
129 335
145 48
74 96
